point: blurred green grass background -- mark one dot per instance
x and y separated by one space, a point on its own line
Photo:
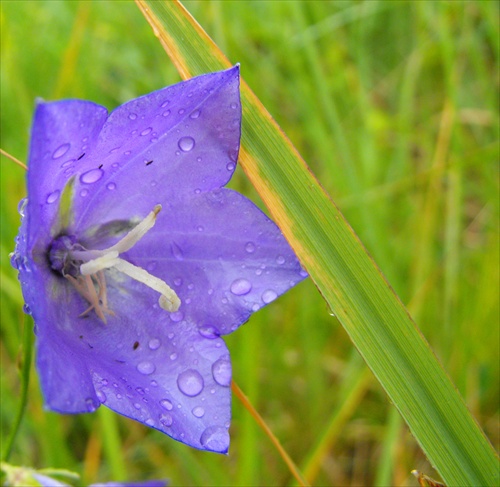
395 107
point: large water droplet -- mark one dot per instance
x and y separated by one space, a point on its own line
52 197
154 344
198 411
215 438
166 420
190 382
241 287
101 396
250 247
209 331
186 144
91 176
21 207
166 404
268 296
146 367
176 251
221 371
91 405
60 151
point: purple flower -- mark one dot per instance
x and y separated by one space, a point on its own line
134 260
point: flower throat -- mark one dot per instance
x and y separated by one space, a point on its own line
84 268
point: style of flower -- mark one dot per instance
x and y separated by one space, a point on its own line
134 260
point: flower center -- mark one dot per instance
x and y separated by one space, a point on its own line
84 268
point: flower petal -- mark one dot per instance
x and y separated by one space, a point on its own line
162 146
224 258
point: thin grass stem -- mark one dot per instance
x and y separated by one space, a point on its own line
12 158
25 379
260 421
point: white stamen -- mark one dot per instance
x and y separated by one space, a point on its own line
168 299
107 259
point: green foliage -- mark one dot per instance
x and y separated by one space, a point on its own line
394 106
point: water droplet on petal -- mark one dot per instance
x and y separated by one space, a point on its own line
221 371
173 356
176 316
186 144
215 438
146 131
26 309
230 166
165 103
91 405
132 116
190 382
166 420
195 114
154 344
52 197
91 176
209 331
198 411
176 251
166 404
146 367
234 106
60 151
84 192
269 296
303 273
111 186
250 247
166 113
280 260
240 287
150 422
101 396
21 207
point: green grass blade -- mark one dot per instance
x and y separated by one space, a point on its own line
374 317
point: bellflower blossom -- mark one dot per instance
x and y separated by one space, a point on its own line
134 260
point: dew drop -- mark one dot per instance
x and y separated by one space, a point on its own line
280 260
240 287
195 114
166 404
146 131
26 309
166 113
178 281
52 197
21 207
150 422
303 273
67 163
176 316
166 420
111 186
84 192
221 371
234 106
101 396
165 103
269 296
186 144
173 356
154 383
176 251
190 382
146 367
209 331
91 176
154 344
250 247
198 411
60 151
215 438
230 166
91 405
181 111
132 116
